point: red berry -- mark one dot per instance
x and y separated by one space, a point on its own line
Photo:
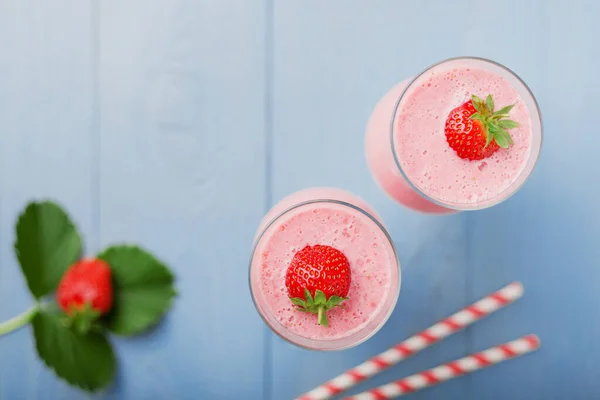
323 272
466 136
318 268
87 283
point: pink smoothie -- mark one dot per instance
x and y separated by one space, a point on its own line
415 165
356 232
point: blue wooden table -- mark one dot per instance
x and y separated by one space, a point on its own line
178 123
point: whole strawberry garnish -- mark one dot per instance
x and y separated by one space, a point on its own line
85 292
475 131
318 279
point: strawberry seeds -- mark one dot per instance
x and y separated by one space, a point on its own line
318 279
474 131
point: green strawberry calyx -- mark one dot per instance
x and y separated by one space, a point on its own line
318 305
495 124
83 318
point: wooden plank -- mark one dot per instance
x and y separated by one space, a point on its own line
332 61
183 173
548 232
46 118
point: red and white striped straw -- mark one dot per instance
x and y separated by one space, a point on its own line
416 343
451 370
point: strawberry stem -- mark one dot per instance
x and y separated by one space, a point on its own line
19 321
318 304
323 316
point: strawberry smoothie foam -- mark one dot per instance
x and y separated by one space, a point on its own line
328 217
410 157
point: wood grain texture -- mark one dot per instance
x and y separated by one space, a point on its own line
332 62
548 232
182 172
46 114
175 124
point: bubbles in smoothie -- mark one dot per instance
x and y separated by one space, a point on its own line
454 86
348 232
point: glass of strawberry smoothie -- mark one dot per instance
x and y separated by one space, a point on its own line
332 244
464 134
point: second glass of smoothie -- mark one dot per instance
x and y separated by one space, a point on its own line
463 135
327 240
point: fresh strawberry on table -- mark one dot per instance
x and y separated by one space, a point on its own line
318 279
85 292
475 131
122 290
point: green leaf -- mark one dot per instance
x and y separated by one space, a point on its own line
492 127
488 139
84 319
143 289
46 244
505 133
501 139
86 361
489 102
477 117
308 296
299 302
320 297
504 110
478 104
507 124
476 99
334 301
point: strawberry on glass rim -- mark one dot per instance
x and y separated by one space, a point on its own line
475 131
318 279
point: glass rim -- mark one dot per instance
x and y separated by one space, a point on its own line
514 189
334 348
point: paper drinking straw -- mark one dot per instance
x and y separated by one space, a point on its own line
451 370
416 343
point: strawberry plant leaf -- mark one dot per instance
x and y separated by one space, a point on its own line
320 297
501 138
143 289
507 124
86 361
476 99
308 296
46 244
489 102
488 139
298 301
334 301
478 117
504 110
478 104
492 128
507 135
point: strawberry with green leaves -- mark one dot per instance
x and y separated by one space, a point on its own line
475 131
318 279
123 290
85 292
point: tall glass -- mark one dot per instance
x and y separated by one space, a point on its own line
408 151
327 217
